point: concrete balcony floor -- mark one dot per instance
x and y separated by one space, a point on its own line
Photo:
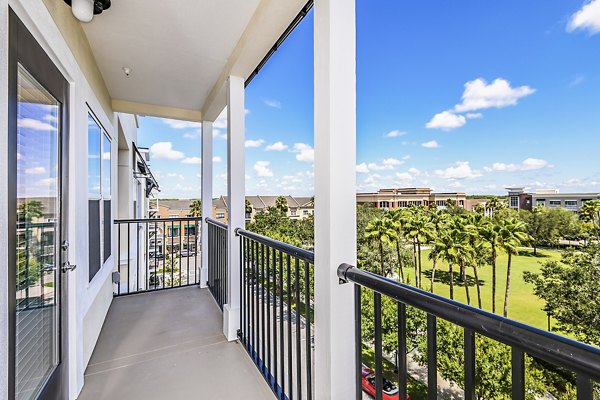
169 345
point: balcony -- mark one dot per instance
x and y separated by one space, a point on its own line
169 344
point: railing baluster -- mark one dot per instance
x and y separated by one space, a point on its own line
307 306
274 261
518 374
431 357
281 326
128 257
255 300
119 257
401 358
378 347
268 306
298 331
470 389
262 307
137 253
585 387
289 324
358 340
147 240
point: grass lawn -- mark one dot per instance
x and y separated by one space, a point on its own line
523 305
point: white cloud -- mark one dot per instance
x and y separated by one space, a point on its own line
479 95
586 18
30 123
404 176
254 143
35 171
192 160
414 171
273 103
395 133
164 150
192 134
446 121
217 159
46 182
262 168
304 152
362 168
178 124
432 144
392 162
528 164
50 118
277 146
106 155
473 115
459 170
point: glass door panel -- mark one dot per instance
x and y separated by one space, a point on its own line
37 236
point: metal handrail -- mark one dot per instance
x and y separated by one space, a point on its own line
214 222
140 220
294 251
553 348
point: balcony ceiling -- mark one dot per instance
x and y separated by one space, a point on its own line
180 52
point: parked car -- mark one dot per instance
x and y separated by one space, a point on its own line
156 256
187 253
390 390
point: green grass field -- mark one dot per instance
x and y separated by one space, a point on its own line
523 305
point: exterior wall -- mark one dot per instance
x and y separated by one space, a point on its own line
404 197
63 40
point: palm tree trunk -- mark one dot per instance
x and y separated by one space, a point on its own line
433 273
415 261
382 260
400 272
451 281
464 278
420 271
478 286
507 285
493 278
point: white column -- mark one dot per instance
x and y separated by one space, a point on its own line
207 155
335 195
235 195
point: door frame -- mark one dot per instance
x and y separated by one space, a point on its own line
23 48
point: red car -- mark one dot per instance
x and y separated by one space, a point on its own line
390 390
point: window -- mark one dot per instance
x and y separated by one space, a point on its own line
384 204
415 202
540 202
305 212
440 203
189 230
220 215
173 231
571 203
403 204
461 203
99 195
173 215
293 212
555 203
514 201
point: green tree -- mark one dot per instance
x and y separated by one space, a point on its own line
420 229
29 210
490 233
512 235
381 231
590 212
281 204
196 208
571 289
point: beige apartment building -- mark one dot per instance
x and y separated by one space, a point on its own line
405 197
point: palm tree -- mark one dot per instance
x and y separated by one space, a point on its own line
477 223
438 220
196 208
380 231
512 235
463 253
398 219
420 229
490 233
445 250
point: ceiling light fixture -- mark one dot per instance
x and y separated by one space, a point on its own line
84 10
127 71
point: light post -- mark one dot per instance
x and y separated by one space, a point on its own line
549 313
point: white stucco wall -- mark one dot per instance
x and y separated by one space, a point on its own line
88 301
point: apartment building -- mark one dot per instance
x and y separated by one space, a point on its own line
520 199
406 197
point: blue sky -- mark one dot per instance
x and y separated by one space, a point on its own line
460 96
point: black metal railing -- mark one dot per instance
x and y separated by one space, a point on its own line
217 260
276 292
581 359
156 254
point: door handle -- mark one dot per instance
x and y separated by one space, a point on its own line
67 266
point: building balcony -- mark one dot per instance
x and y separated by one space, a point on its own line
169 344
